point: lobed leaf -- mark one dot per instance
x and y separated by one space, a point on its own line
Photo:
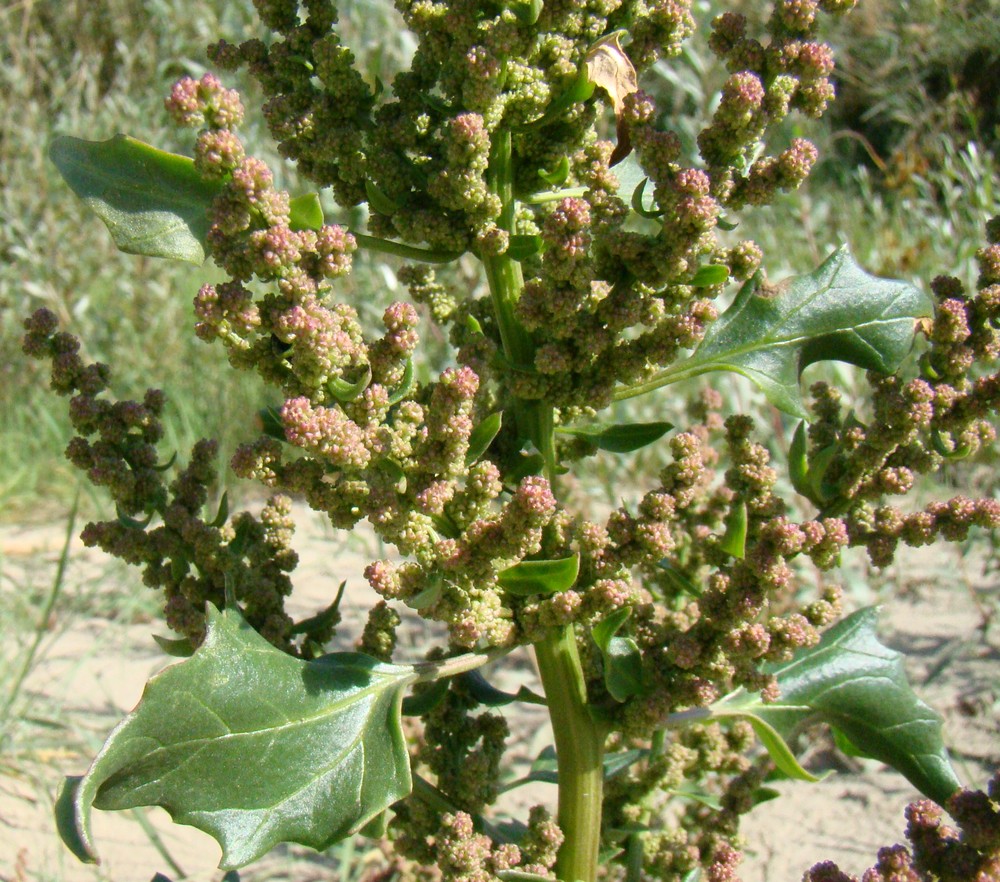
252 746
859 687
838 312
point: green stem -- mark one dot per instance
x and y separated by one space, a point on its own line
579 739
503 274
410 252
663 378
634 851
579 749
544 196
457 664
42 627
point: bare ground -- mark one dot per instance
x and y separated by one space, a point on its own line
96 658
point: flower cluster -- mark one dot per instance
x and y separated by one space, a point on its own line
190 559
937 851
918 425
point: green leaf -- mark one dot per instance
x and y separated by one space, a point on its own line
305 212
540 576
678 581
859 686
777 748
521 876
798 462
178 647
525 464
556 177
482 436
379 201
253 746
734 540
153 202
523 246
527 11
487 694
845 745
324 619
622 658
838 312
269 422
428 698
222 513
405 384
637 202
709 800
621 438
346 391
707 276
545 768
630 176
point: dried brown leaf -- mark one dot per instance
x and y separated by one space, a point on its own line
609 68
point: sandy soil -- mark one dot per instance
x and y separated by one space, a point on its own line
92 670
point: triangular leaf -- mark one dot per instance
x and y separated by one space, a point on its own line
859 686
254 747
621 438
838 312
153 202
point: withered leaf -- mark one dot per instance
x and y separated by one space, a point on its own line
609 68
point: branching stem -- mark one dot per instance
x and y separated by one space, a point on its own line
410 252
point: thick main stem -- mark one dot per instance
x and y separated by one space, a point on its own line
579 749
579 738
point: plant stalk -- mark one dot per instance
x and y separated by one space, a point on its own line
579 739
579 750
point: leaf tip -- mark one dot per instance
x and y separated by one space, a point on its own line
72 822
